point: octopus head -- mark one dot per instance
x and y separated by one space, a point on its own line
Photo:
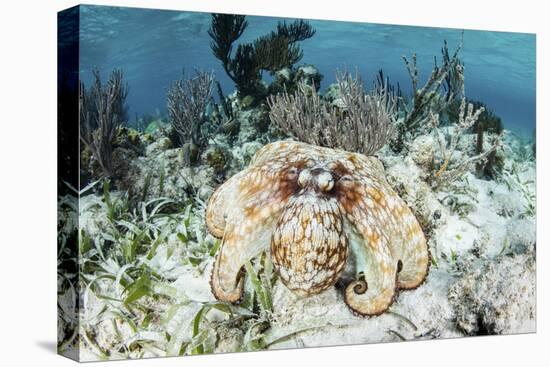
308 246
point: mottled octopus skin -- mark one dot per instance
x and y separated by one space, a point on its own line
314 209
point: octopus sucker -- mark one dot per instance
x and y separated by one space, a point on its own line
313 210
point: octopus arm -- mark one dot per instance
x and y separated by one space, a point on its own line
251 205
373 291
410 248
221 200
243 240
374 199
406 237
384 219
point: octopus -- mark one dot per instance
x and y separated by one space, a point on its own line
318 212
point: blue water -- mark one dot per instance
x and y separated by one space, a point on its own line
154 46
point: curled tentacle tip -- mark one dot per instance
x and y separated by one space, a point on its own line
360 286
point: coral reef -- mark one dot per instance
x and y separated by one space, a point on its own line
218 158
448 169
102 110
223 114
186 103
486 126
288 80
444 85
271 52
363 122
128 145
317 207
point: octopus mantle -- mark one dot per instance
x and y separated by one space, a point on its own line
317 210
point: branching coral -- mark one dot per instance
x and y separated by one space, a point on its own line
363 123
488 122
448 169
445 84
279 49
224 31
186 102
226 106
102 109
270 52
223 115
394 91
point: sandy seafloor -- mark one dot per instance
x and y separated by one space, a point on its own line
481 235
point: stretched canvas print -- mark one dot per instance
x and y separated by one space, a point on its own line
232 183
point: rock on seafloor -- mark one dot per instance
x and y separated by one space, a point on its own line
497 297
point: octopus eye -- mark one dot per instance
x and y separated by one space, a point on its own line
346 178
292 173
